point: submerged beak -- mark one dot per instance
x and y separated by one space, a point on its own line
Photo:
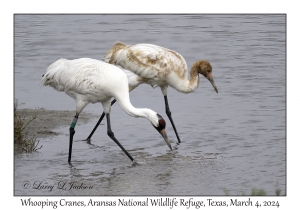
164 134
211 79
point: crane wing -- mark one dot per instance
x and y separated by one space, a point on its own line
149 61
82 76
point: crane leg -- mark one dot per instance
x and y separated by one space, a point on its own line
112 136
98 123
168 112
72 132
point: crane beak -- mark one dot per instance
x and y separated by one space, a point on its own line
211 79
164 135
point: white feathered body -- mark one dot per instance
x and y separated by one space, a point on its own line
91 81
151 64
86 79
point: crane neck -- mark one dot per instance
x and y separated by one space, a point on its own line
186 85
194 78
126 105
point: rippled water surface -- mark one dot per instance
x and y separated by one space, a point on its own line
235 139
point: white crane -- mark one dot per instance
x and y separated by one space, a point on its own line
91 81
157 66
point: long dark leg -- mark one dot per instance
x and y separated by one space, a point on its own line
112 136
98 123
72 132
168 112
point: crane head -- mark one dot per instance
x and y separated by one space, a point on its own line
160 127
205 69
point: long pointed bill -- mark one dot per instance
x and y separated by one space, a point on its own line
211 79
164 134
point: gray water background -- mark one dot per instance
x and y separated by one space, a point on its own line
233 140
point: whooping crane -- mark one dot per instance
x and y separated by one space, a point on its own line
157 66
91 81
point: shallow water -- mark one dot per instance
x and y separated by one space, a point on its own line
235 139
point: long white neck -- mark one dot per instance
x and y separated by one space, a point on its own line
125 104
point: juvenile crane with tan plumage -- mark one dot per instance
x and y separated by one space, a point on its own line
157 66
